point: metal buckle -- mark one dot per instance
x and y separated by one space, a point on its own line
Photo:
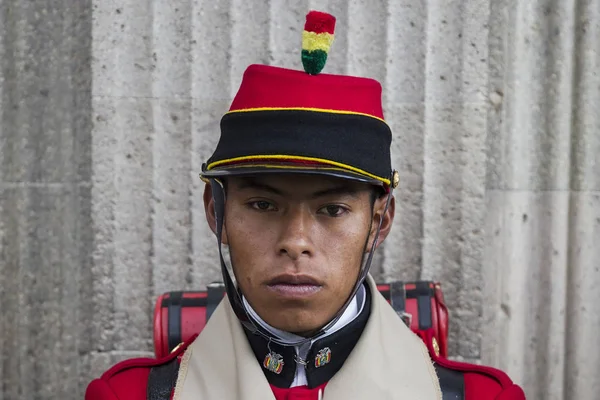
406 318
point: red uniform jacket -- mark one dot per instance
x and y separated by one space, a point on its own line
128 380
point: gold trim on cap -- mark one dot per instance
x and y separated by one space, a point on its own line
282 157
313 109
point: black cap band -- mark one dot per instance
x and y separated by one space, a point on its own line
284 138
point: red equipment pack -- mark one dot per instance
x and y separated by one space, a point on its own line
178 315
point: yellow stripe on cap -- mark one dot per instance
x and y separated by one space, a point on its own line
312 41
323 110
287 166
300 158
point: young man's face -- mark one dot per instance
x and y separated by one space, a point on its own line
296 243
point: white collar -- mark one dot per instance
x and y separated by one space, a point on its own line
352 311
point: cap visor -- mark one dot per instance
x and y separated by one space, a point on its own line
262 170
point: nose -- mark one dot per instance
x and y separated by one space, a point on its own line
295 240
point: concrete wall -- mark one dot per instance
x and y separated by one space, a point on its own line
108 109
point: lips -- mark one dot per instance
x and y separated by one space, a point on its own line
294 286
293 279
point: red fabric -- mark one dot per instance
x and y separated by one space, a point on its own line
160 330
513 392
441 324
193 320
274 87
297 393
100 390
483 387
128 380
319 22
126 383
481 382
439 313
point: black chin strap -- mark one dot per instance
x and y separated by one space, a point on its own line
235 296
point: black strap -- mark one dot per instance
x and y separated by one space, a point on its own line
398 296
186 301
424 305
174 319
215 292
398 301
452 383
162 380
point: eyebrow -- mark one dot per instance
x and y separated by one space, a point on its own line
252 184
336 190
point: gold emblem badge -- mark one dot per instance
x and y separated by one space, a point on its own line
273 362
323 357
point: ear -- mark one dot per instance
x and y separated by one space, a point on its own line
386 219
209 210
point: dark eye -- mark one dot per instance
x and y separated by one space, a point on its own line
334 210
261 205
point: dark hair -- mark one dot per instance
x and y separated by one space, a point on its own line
376 193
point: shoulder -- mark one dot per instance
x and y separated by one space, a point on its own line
477 381
472 381
129 379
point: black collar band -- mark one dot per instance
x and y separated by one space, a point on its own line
325 357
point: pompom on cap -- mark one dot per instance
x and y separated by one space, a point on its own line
317 38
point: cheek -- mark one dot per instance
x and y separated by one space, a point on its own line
338 246
344 250
249 246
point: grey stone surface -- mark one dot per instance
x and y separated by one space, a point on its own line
171 218
45 260
402 250
586 95
525 323
45 169
248 42
132 224
206 116
583 278
532 66
284 29
364 17
109 109
454 163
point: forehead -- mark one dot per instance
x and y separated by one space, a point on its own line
297 184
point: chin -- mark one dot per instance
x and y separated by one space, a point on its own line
299 330
297 323
293 316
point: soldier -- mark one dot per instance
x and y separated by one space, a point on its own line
300 191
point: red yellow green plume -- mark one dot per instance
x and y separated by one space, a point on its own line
316 41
